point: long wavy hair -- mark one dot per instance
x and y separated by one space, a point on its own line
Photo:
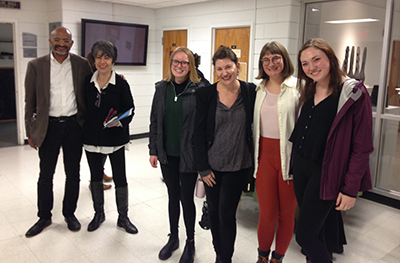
306 84
192 67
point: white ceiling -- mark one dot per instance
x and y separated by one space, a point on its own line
154 4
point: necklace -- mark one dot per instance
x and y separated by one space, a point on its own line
101 83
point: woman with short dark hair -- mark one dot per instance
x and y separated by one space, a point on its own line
106 92
224 147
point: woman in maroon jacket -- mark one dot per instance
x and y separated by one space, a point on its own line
332 141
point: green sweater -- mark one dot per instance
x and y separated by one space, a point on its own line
173 118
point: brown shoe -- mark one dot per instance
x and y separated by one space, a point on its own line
105 186
262 259
276 258
107 178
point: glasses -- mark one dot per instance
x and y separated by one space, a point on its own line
98 100
275 59
59 40
184 64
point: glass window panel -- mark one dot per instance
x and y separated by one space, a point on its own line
389 165
354 29
393 92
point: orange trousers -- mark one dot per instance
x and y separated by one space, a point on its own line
276 198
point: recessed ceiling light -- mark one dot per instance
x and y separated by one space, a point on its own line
347 21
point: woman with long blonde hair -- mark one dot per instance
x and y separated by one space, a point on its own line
171 130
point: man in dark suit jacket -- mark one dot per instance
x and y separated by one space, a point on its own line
54 115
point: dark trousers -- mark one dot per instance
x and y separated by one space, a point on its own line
180 188
223 199
65 135
335 236
310 232
104 160
117 160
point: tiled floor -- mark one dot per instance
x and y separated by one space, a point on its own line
373 230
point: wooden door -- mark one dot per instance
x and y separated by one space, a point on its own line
172 40
238 39
394 76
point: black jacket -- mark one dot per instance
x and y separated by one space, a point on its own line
156 138
206 107
118 97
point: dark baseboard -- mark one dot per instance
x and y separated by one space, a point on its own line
382 199
139 136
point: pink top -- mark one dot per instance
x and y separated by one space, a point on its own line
269 122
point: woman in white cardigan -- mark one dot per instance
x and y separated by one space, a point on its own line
274 118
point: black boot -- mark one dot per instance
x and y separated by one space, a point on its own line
276 258
121 194
98 203
171 246
188 252
263 256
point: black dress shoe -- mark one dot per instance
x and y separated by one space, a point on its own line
73 223
330 254
188 252
38 227
171 246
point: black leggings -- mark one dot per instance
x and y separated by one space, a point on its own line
180 188
223 199
313 211
117 160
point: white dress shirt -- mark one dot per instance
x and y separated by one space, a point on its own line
62 95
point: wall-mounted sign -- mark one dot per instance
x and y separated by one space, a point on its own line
238 52
30 53
10 4
53 26
243 71
29 40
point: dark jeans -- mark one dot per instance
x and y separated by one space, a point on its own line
180 188
310 232
117 160
65 135
223 199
